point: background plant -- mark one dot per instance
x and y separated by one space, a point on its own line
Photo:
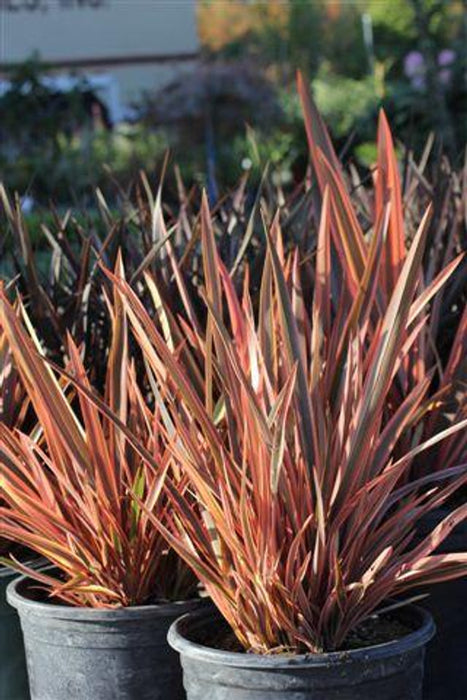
55 263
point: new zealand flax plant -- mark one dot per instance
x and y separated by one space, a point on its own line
14 406
353 223
301 516
68 486
56 268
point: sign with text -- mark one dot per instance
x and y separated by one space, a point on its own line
45 5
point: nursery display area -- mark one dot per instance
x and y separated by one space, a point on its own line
233 437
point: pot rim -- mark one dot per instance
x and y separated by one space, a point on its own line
19 600
195 651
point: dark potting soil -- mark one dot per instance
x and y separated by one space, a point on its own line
377 629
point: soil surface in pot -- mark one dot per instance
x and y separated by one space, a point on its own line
377 629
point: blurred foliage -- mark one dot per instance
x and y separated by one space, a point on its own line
326 38
238 110
289 35
32 112
346 102
61 145
81 163
210 114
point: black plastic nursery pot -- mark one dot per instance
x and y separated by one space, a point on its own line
390 671
13 674
446 658
75 653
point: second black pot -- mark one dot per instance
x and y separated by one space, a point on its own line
446 659
83 653
392 671
13 675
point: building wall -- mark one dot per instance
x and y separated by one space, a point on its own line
142 43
